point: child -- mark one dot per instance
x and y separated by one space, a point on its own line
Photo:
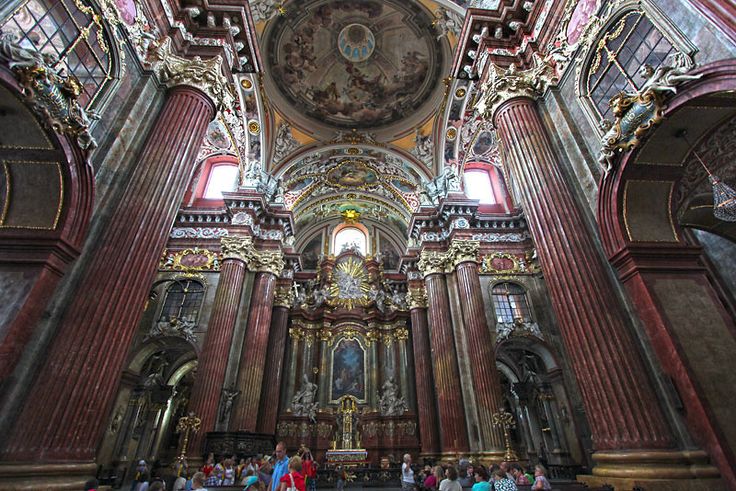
540 481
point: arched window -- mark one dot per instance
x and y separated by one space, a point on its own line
183 301
71 32
221 178
485 183
510 303
628 44
351 238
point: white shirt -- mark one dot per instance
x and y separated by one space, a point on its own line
407 474
448 485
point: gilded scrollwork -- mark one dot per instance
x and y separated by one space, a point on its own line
416 297
461 251
242 248
284 297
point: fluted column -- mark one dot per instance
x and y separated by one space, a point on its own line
463 256
425 388
275 360
620 400
212 364
453 429
269 265
69 404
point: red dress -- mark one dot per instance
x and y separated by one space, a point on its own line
298 481
207 469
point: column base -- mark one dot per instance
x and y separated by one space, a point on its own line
32 477
657 469
489 457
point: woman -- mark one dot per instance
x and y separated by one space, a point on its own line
309 470
450 482
481 479
540 480
502 482
433 479
228 477
293 479
407 474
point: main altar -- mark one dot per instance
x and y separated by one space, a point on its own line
349 390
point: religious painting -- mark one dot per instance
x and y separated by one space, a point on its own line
355 63
348 370
311 253
390 255
128 10
352 174
580 18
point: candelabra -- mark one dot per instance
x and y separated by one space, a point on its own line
506 421
187 424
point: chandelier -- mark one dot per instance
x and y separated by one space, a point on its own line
724 196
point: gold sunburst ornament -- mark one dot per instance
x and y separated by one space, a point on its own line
349 286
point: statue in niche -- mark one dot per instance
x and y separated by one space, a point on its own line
390 404
226 403
303 403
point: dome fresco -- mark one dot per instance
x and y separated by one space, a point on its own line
355 64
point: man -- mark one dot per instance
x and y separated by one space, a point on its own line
280 467
519 477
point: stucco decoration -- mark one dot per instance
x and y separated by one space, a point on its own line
355 64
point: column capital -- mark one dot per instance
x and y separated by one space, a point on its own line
205 75
417 297
504 84
271 261
284 297
234 247
462 251
432 262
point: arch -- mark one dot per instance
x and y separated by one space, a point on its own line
198 191
510 302
501 199
668 282
47 199
352 233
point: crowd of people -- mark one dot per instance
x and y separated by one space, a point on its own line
503 477
299 473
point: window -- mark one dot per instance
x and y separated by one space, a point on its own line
183 301
510 303
478 186
630 43
351 237
222 177
71 33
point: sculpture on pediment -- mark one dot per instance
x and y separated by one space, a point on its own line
303 403
390 403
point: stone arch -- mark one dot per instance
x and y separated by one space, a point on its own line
677 296
47 194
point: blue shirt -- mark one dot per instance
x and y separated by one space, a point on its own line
482 486
279 470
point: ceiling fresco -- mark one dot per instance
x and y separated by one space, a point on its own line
355 63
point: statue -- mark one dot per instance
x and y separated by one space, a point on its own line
669 75
226 403
424 147
285 142
447 22
303 403
390 403
451 179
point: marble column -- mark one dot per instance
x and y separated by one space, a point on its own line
207 388
424 381
275 360
453 428
463 255
269 265
64 415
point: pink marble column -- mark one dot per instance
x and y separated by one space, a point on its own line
486 381
205 398
453 428
619 397
426 402
253 358
273 375
64 416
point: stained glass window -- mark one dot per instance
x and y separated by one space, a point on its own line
183 301
510 303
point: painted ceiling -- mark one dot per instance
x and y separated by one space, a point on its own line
354 63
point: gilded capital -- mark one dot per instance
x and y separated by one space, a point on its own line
205 75
234 247
461 251
432 262
271 261
504 84
284 297
416 297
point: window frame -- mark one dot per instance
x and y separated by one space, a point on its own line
95 27
499 185
196 194
180 282
343 226
527 306
659 20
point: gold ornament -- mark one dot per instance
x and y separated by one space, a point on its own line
462 251
254 127
432 262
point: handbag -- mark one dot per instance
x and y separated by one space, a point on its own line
293 486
